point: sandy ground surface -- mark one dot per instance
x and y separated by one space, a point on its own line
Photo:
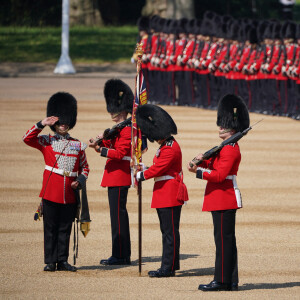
267 230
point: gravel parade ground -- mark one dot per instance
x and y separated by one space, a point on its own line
267 230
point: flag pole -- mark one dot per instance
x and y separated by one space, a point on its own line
139 53
135 163
140 226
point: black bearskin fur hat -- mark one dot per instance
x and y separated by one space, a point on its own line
143 24
289 30
252 36
154 122
64 106
233 113
118 96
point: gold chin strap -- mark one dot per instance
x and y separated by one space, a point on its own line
63 131
226 130
115 115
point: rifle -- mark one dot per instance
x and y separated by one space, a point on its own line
215 150
110 133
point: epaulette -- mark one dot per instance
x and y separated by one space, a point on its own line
170 143
231 144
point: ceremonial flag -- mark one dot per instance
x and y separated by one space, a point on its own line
138 142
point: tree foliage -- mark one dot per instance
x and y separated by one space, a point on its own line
120 12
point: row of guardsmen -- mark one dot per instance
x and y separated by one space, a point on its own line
195 62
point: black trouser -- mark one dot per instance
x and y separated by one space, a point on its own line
171 98
58 219
202 92
226 268
117 197
169 219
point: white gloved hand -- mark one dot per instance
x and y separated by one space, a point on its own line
138 176
143 167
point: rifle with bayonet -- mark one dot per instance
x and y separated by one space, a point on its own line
215 150
110 133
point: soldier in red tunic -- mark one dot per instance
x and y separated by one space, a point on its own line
169 192
65 167
117 174
222 196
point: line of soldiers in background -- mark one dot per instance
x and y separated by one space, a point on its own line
195 62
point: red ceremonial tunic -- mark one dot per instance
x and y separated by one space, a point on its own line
219 192
237 71
167 161
117 151
179 48
73 159
187 54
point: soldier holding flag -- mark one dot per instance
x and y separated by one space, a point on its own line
169 192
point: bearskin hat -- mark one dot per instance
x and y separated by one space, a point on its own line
233 113
252 35
64 106
297 33
153 22
276 31
233 30
118 96
183 25
288 30
143 24
154 122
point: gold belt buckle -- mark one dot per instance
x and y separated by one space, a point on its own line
66 173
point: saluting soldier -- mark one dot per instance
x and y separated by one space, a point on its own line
222 196
117 174
65 166
169 192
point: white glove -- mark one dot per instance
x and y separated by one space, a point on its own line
143 167
138 176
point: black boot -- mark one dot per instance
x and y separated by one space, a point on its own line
50 267
215 286
65 266
115 261
161 273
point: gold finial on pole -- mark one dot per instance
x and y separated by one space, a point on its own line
139 49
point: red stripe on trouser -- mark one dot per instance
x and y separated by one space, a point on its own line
192 87
286 97
250 95
119 223
208 90
278 93
222 245
174 241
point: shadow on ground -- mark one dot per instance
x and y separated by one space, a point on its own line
267 286
148 259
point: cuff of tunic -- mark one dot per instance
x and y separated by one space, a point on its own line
199 173
104 152
39 125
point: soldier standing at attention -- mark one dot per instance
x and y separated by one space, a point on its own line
222 196
117 174
66 166
169 192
